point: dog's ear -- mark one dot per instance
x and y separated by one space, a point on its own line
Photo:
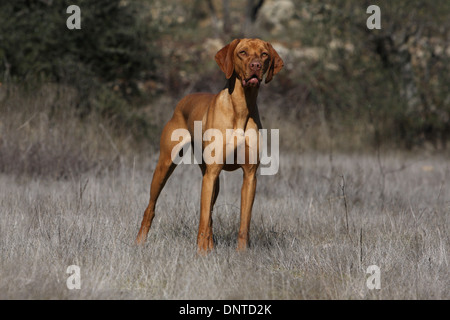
276 63
224 58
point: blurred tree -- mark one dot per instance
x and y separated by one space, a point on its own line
113 45
251 12
392 82
394 79
412 45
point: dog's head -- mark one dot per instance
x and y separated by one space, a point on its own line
249 59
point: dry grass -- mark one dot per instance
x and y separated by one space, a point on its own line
301 247
317 224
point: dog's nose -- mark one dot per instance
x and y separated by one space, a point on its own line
255 65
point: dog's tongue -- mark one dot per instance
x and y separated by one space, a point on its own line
250 81
253 81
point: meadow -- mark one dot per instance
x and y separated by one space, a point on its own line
317 226
73 192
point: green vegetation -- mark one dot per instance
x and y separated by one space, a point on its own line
344 87
112 52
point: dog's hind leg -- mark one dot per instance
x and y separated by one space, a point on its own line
163 170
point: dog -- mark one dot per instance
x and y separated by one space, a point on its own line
245 62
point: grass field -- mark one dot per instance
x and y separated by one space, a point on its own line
364 127
317 226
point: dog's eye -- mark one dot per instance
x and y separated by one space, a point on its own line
243 52
264 54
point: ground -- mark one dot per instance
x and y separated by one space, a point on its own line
317 225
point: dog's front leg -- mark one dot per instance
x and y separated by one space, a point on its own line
209 193
247 197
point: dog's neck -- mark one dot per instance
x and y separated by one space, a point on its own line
243 100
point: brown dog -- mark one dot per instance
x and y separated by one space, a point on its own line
244 62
